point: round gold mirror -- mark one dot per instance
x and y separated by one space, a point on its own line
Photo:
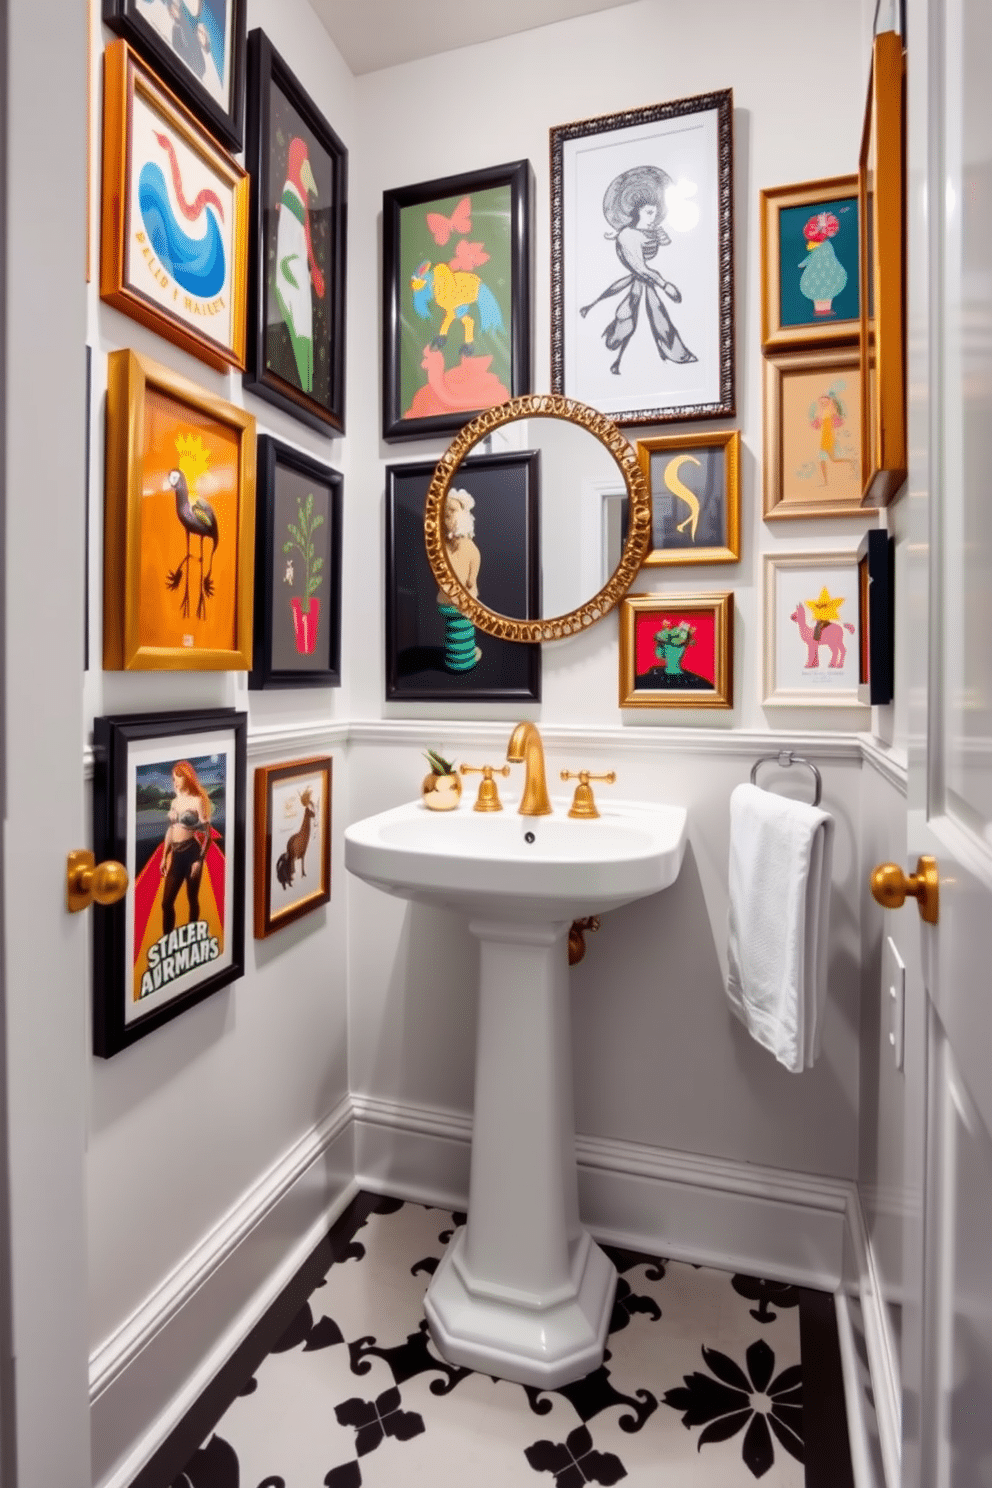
601 467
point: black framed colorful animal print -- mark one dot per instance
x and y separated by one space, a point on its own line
168 803
292 841
456 299
296 285
297 570
179 515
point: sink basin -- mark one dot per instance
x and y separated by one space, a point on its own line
483 863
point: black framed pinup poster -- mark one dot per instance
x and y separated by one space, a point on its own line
168 803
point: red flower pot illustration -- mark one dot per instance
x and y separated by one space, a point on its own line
305 626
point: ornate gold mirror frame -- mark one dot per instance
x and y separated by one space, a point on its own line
635 549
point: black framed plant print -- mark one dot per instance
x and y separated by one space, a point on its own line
456 299
168 803
433 653
198 48
296 286
297 639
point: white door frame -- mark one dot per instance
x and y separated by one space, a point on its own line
45 951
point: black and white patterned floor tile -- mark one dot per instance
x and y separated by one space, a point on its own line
701 1387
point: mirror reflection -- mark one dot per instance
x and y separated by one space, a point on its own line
525 517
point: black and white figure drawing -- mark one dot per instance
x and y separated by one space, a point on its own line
650 191
635 206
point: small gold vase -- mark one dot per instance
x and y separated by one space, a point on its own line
441 792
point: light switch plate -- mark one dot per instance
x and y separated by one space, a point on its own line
894 1000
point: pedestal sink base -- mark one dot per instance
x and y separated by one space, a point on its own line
544 1346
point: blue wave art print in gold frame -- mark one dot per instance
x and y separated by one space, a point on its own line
175 217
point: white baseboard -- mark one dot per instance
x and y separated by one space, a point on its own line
775 1224
147 1375
882 1351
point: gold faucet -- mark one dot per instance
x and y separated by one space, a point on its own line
525 744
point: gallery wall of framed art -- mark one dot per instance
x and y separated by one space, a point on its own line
388 683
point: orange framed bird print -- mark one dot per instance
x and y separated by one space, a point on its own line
179 528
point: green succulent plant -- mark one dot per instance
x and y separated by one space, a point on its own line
438 763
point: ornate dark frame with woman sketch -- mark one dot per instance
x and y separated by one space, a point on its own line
168 803
650 192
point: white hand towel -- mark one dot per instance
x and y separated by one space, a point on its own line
781 853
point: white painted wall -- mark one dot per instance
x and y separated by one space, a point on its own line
184 1122
659 1059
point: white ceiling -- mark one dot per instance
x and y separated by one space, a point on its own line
371 34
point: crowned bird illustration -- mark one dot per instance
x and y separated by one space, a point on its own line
298 276
197 516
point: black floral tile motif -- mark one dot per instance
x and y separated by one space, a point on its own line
323 1333
593 1394
777 1293
625 1260
574 1462
348 1475
359 1308
215 1465
406 1360
731 1401
376 1419
626 1303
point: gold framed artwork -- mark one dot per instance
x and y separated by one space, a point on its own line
810 264
179 524
884 455
292 841
694 480
812 636
812 464
677 651
174 234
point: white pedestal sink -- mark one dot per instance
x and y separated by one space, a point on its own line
522 1292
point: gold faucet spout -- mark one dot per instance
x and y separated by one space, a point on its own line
525 745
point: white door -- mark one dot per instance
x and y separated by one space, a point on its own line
45 970
950 580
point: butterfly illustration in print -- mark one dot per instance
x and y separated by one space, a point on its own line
186 235
460 221
298 276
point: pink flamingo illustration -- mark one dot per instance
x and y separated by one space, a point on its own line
829 634
468 386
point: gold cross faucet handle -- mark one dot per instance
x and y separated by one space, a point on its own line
488 797
583 806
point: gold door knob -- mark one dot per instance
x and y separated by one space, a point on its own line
890 886
86 881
